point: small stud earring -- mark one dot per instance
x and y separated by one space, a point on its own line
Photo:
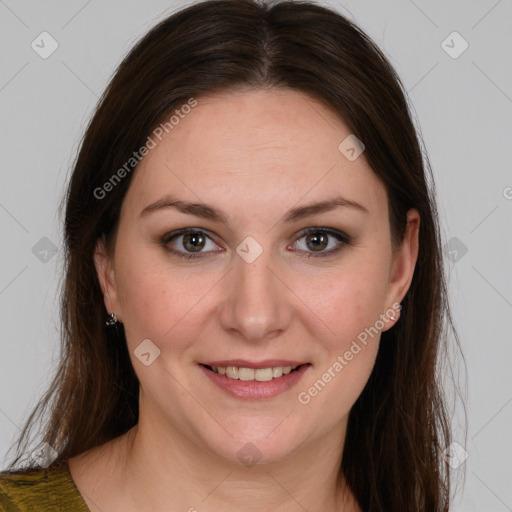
112 321
393 317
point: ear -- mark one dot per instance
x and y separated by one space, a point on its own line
404 263
106 276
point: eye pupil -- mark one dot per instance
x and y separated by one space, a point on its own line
193 242
318 239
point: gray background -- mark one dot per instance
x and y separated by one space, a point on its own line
462 104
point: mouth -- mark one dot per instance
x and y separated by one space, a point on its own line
250 374
254 381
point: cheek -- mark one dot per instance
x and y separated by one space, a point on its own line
351 301
158 302
351 307
345 360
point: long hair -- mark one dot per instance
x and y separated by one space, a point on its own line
399 426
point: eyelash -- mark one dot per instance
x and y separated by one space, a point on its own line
343 238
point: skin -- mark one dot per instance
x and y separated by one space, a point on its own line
254 154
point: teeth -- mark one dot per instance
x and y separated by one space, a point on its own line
263 374
247 374
232 372
277 371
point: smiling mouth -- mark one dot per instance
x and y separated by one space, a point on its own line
251 374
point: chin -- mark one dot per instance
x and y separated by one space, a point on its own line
253 446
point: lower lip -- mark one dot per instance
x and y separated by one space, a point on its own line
253 389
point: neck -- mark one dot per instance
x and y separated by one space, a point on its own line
162 466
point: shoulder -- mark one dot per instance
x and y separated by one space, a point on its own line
40 490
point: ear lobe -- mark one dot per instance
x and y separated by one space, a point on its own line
106 277
405 260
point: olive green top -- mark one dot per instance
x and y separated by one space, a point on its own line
40 490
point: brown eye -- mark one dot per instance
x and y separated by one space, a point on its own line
189 243
194 242
317 241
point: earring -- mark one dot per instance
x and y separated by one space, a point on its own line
393 317
112 321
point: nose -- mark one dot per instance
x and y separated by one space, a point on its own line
257 304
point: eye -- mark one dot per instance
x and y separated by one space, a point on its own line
193 243
320 242
188 243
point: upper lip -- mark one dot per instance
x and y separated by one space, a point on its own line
243 363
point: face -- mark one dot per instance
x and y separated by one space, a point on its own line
261 280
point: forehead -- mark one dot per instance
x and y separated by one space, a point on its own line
252 148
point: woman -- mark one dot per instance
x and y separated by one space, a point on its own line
254 303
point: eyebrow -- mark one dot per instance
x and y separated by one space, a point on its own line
206 211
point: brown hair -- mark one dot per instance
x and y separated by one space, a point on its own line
399 426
